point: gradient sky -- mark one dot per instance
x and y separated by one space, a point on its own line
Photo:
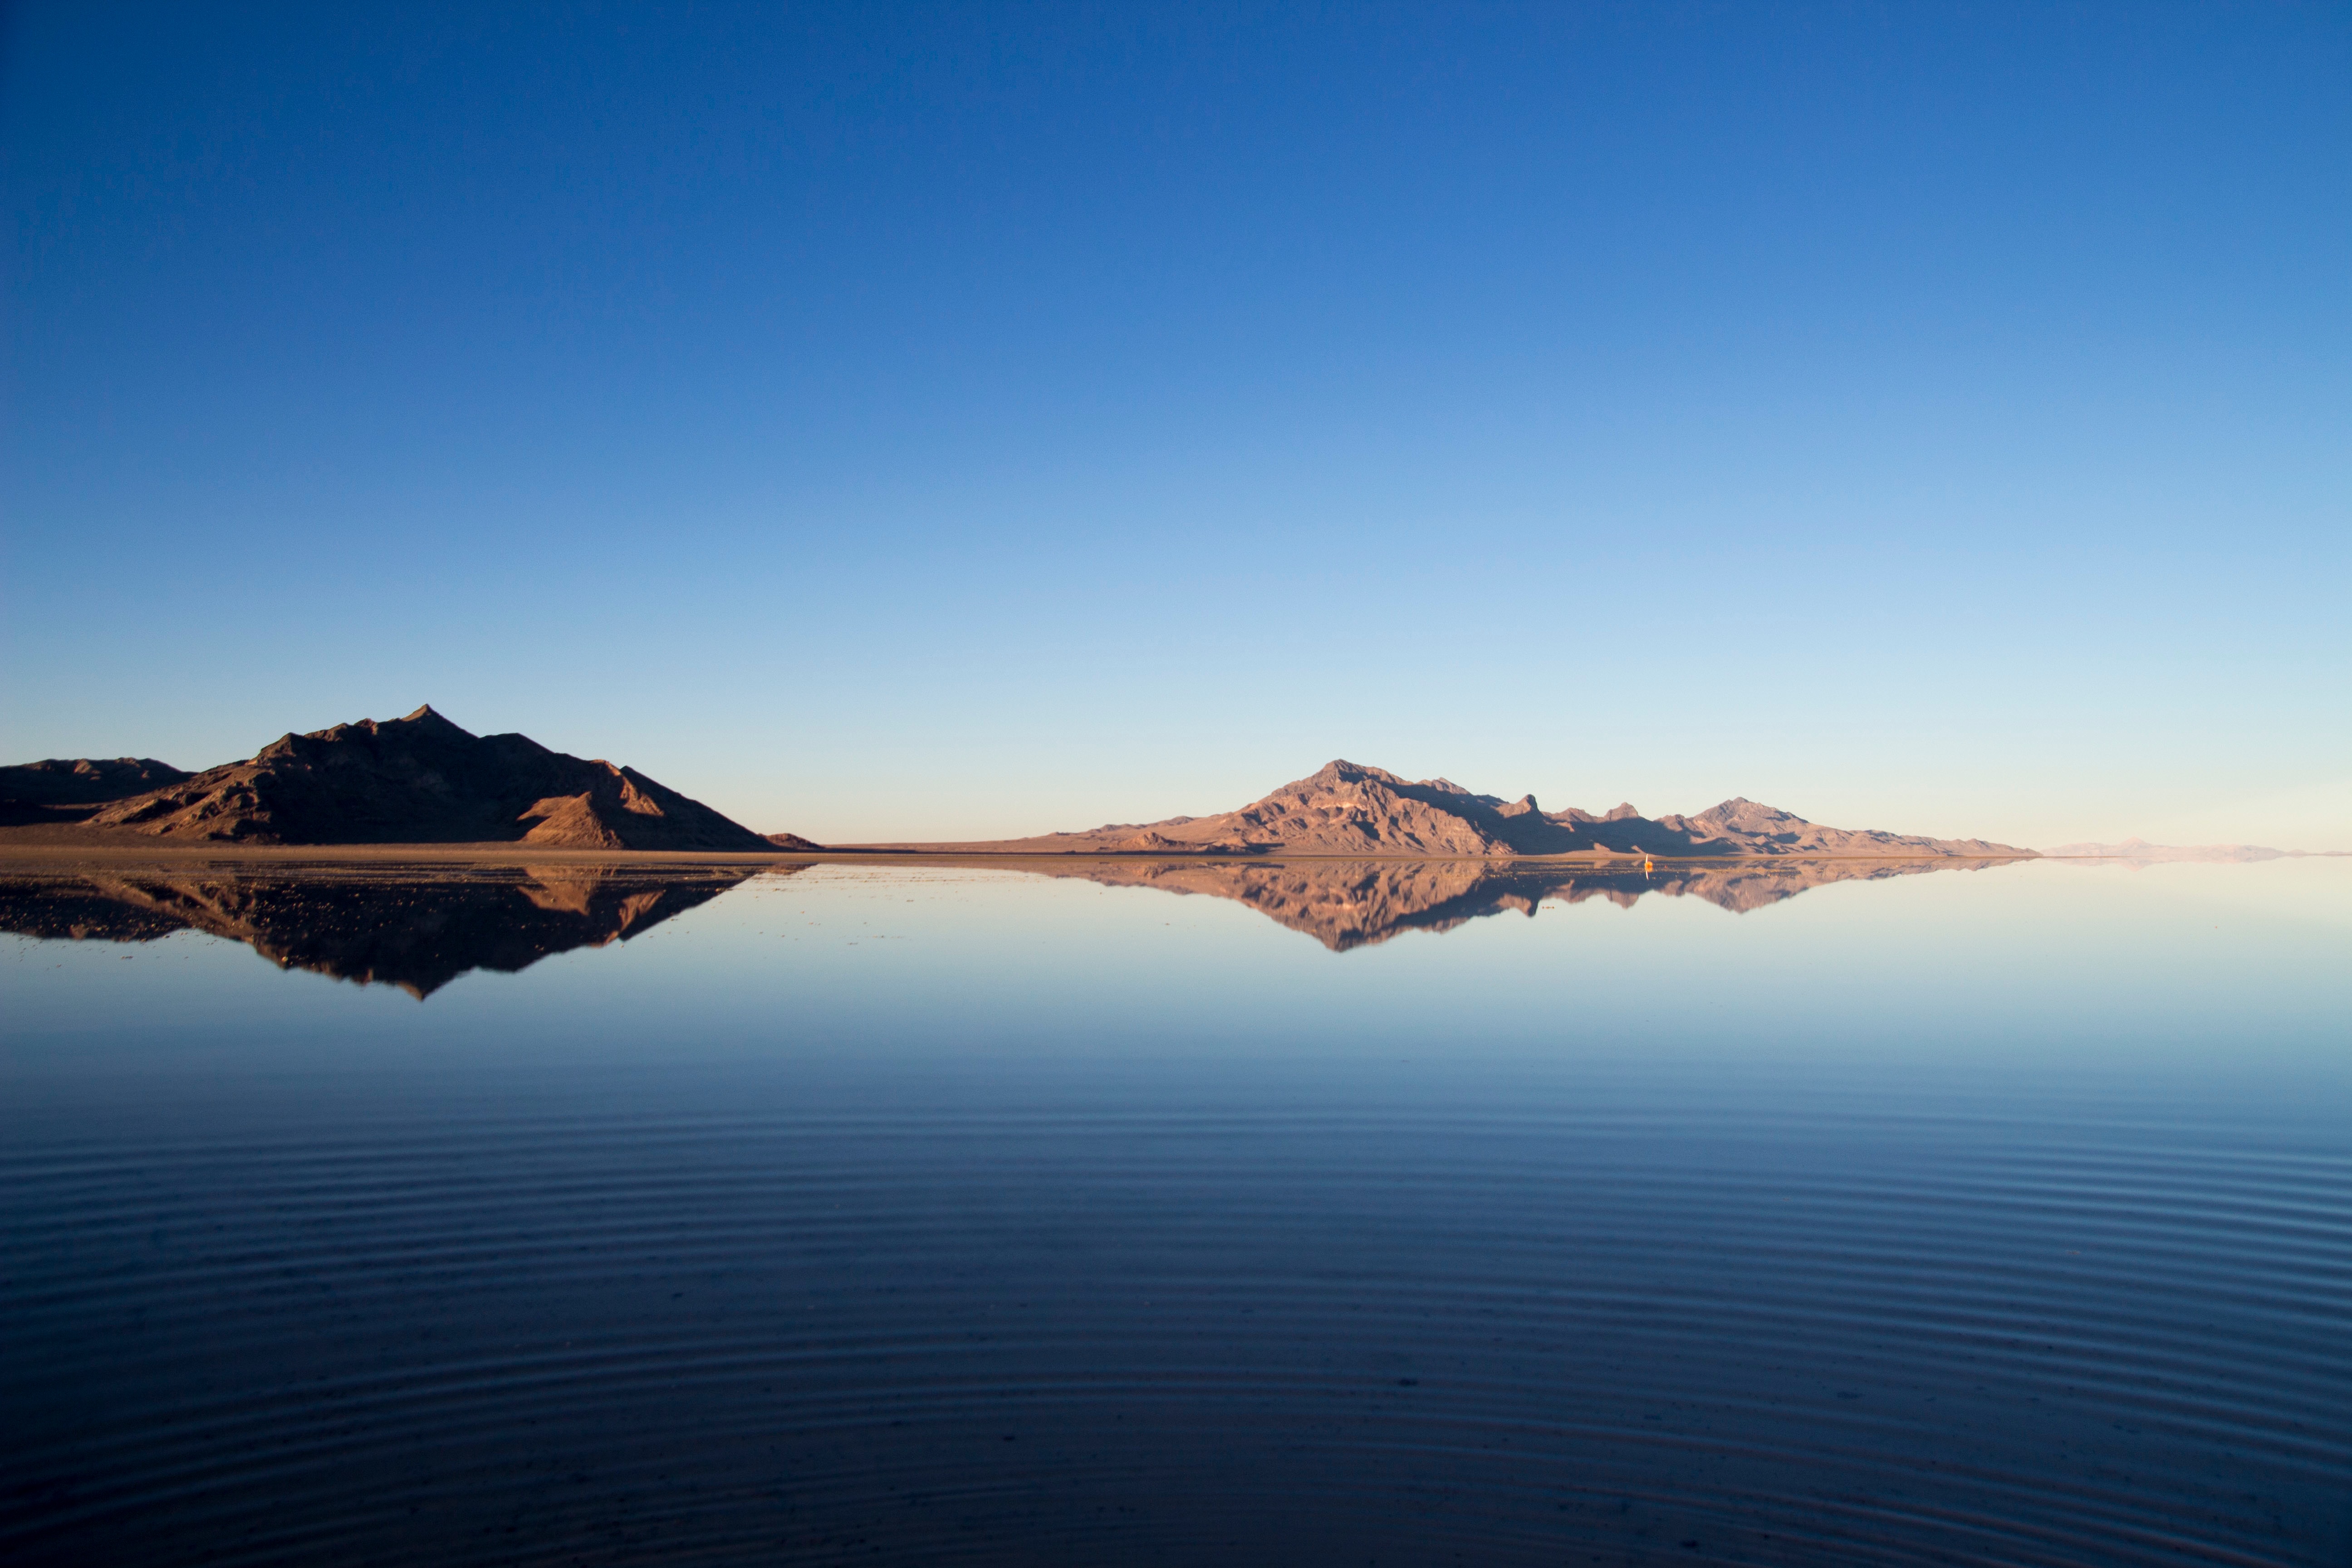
949 420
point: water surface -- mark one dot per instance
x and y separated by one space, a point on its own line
1382 1215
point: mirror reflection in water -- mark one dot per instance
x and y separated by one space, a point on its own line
416 927
1144 1209
419 928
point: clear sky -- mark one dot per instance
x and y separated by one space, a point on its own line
947 420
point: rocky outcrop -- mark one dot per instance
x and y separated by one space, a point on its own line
422 780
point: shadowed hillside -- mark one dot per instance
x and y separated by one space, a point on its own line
68 789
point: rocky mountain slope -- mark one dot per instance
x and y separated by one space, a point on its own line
422 780
1349 809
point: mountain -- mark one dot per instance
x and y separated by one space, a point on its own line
417 935
1346 905
67 789
1350 809
2140 852
422 780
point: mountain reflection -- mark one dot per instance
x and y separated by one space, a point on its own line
387 926
1347 904
416 934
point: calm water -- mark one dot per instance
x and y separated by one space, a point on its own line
1236 1215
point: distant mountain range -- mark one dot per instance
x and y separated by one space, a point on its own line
1350 809
422 780
2141 852
417 780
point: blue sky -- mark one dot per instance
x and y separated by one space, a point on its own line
970 420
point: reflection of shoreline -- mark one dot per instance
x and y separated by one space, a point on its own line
1352 904
383 928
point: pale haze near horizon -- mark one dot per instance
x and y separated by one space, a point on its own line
890 422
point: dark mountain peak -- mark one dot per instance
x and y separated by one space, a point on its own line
423 728
424 779
425 722
1623 811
